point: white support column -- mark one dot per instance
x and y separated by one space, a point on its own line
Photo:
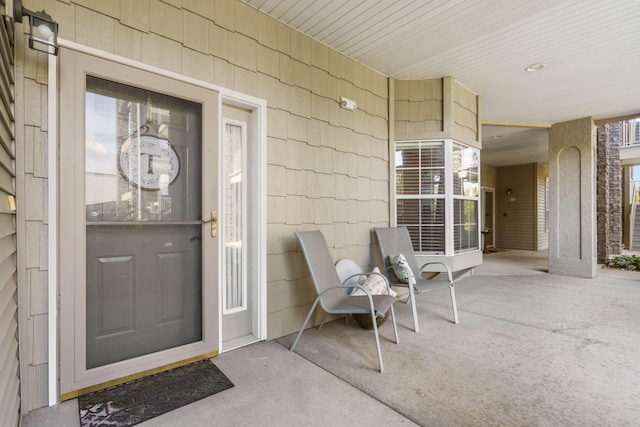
572 188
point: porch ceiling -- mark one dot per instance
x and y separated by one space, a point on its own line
589 47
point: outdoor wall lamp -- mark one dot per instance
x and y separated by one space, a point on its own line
43 31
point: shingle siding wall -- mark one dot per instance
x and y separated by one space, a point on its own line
435 109
31 218
327 167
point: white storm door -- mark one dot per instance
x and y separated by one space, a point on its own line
138 209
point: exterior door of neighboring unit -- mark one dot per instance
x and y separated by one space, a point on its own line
488 219
139 211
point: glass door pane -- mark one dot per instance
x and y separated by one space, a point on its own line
235 288
143 173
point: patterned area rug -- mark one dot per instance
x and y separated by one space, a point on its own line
140 400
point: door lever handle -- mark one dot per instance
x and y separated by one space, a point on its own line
214 223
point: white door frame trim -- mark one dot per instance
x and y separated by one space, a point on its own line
227 96
52 196
492 226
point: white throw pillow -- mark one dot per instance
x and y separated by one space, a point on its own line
400 267
375 284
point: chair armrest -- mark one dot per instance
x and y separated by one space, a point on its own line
333 288
368 295
446 267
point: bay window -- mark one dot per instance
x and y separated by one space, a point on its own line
437 195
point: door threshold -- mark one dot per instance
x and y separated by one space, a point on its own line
238 342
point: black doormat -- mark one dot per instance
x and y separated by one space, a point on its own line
140 400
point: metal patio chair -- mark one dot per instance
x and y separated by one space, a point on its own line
396 240
331 292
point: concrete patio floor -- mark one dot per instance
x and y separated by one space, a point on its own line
590 328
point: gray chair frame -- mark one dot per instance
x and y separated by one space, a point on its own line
331 295
396 240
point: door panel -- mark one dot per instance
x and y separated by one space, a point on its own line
145 302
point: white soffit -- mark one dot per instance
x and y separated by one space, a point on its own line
589 46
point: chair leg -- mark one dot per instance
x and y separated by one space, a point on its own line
322 321
414 310
375 332
453 303
393 319
305 323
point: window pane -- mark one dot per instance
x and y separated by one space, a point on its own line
233 230
432 167
408 211
432 181
420 168
140 163
407 156
407 181
465 227
465 170
425 219
432 226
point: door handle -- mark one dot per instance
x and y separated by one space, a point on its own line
214 223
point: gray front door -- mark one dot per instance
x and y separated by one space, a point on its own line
143 200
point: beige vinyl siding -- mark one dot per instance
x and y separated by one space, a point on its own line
435 109
9 365
543 232
418 108
516 218
465 126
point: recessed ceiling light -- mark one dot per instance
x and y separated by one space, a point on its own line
535 67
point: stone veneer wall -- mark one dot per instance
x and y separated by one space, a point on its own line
609 191
327 167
